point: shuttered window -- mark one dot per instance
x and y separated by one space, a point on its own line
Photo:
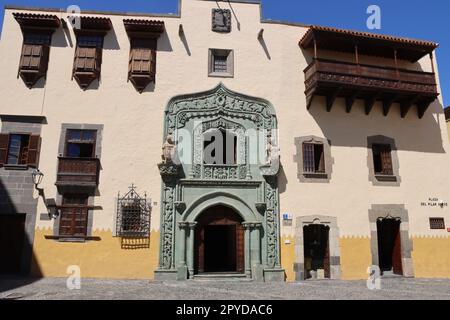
88 54
88 59
382 159
35 52
142 57
19 149
313 158
142 60
74 215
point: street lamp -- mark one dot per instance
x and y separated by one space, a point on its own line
37 177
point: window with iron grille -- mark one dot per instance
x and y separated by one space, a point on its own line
133 215
382 159
313 158
437 224
221 63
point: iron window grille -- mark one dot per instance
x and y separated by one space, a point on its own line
133 215
437 224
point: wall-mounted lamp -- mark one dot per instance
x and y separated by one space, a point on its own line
37 177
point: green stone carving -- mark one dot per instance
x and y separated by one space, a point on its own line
248 188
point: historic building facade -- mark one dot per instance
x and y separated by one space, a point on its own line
215 143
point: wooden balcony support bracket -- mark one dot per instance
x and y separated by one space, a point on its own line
309 100
369 102
422 107
349 101
387 104
406 105
331 98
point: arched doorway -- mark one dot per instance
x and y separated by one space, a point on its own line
317 251
219 241
389 246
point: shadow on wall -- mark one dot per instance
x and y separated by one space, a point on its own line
16 244
352 129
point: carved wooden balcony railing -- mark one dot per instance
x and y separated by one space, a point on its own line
351 81
78 172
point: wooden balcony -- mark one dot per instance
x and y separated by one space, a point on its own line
78 172
352 81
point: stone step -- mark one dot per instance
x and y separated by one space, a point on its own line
222 277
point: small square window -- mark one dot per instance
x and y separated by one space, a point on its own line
313 158
221 63
437 224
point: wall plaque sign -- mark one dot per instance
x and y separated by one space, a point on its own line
434 202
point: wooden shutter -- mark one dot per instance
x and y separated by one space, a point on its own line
308 158
386 160
26 56
321 167
80 58
33 151
4 141
153 62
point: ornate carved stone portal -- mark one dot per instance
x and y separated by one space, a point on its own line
249 186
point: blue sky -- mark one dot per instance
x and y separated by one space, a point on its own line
414 18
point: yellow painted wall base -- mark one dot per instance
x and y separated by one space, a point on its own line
288 256
110 257
431 257
115 258
356 257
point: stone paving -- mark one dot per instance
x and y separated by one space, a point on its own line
55 288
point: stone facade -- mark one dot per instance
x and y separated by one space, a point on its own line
266 93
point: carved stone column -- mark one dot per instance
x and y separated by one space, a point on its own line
256 242
182 271
190 250
247 249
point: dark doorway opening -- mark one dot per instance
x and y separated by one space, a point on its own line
12 236
220 249
317 251
219 242
389 246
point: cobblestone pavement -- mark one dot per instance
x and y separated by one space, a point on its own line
55 288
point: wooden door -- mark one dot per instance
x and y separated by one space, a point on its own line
240 250
326 259
219 216
397 253
74 216
12 237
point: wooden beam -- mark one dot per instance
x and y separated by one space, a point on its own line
388 103
422 107
369 102
309 100
332 97
405 106
349 101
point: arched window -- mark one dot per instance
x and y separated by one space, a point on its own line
219 147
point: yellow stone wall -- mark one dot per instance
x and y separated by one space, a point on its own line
356 257
97 259
431 257
113 258
288 257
